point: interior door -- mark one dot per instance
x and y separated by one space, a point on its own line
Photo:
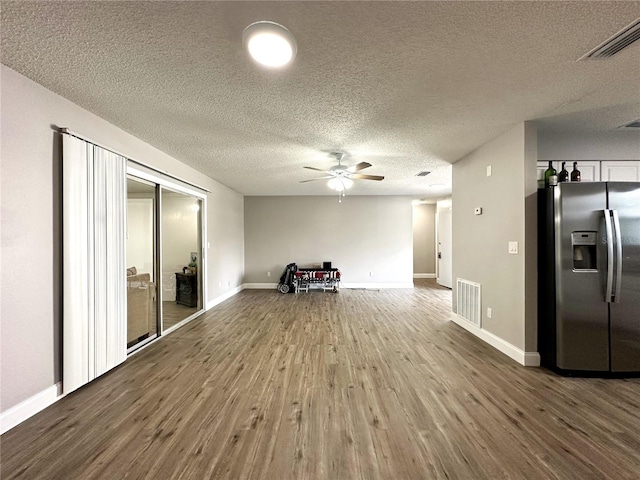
444 248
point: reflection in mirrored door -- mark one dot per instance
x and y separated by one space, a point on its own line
181 263
141 279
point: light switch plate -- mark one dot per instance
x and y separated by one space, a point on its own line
488 170
513 248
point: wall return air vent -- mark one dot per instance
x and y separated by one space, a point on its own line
619 41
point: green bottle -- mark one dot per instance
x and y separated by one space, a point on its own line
550 176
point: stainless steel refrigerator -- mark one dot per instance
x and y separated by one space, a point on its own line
589 277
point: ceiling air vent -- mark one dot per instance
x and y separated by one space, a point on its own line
635 124
424 173
619 41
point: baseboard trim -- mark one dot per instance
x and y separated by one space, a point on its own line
269 286
424 275
29 407
531 359
260 286
224 296
527 359
377 285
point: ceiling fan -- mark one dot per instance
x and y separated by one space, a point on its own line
340 176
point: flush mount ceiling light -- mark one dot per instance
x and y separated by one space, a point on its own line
269 44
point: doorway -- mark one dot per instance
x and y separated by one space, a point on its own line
444 242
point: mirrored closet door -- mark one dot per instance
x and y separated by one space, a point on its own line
142 324
164 256
181 248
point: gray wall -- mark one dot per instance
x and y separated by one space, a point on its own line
31 234
360 235
424 239
480 242
616 145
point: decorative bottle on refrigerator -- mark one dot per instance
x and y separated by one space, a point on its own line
575 174
550 176
563 176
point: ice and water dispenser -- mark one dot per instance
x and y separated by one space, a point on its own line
584 251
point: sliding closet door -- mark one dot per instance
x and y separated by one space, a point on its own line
94 298
142 323
181 244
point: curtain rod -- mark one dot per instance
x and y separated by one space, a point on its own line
65 130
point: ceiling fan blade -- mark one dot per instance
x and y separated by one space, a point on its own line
359 166
319 178
360 176
316 169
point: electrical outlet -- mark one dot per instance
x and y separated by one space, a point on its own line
489 312
488 170
228 283
268 274
371 274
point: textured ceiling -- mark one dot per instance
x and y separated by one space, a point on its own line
406 86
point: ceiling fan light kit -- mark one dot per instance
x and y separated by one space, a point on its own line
340 184
270 44
341 177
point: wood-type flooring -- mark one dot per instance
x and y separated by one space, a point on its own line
173 313
356 385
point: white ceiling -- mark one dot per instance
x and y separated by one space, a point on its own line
406 86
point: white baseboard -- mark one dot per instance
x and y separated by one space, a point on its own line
260 286
528 359
224 296
424 275
18 414
375 286
268 286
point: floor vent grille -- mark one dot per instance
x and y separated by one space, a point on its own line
468 301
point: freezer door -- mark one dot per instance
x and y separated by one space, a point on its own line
582 320
624 198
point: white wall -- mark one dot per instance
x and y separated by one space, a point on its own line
615 145
424 239
31 235
480 242
360 235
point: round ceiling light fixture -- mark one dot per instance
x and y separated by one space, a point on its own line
270 44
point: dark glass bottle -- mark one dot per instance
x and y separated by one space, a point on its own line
563 176
550 176
575 174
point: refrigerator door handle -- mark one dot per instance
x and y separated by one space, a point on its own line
609 239
618 264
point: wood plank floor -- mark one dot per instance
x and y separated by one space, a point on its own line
173 313
355 385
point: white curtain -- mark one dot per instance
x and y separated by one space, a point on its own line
94 280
